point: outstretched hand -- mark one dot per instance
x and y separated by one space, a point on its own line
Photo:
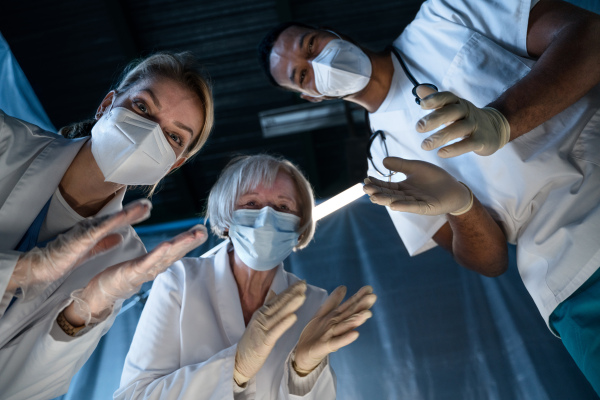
123 280
267 325
39 267
332 327
428 189
483 130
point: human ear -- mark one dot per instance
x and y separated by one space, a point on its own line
106 103
178 163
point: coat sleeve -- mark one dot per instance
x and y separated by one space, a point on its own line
153 368
40 362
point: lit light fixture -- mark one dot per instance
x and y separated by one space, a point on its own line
320 211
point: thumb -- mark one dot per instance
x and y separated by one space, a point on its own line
398 164
270 295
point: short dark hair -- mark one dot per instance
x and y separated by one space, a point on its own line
268 41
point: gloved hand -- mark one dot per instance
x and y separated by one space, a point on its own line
428 189
38 268
264 329
485 130
332 327
121 281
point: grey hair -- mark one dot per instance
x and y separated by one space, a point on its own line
244 173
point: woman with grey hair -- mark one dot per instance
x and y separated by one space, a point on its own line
237 325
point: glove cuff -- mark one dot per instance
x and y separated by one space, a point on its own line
503 126
467 207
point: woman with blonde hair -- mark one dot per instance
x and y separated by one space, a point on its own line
68 255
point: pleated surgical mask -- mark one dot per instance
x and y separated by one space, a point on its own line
130 149
263 238
341 68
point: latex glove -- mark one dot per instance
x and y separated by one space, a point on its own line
121 281
266 326
484 130
428 189
38 268
332 327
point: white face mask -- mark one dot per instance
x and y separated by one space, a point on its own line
341 69
130 149
263 238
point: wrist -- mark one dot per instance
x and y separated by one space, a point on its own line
72 316
467 206
302 368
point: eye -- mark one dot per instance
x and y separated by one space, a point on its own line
284 207
141 106
302 76
176 138
310 45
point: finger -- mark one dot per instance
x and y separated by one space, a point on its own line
132 213
352 322
292 305
405 166
292 290
457 130
356 298
443 116
337 342
458 148
386 199
438 100
332 302
424 91
374 182
105 244
274 333
414 207
185 242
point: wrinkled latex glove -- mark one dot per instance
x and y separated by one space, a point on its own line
484 130
123 280
332 327
39 267
266 326
428 189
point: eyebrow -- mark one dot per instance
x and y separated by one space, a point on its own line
157 104
304 35
279 197
152 96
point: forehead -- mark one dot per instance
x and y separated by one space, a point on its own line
286 49
282 185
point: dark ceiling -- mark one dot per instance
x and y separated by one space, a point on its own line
72 52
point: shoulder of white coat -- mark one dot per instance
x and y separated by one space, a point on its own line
192 269
11 125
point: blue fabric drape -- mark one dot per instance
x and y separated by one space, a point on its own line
438 331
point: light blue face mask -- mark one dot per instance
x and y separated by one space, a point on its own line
263 238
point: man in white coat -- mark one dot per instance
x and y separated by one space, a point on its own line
519 91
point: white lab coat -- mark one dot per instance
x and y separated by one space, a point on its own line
37 359
544 187
185 342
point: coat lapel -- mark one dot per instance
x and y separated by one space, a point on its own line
34 188
228 299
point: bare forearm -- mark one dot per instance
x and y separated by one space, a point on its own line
567 41
476 241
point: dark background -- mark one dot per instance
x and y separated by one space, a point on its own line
73 52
